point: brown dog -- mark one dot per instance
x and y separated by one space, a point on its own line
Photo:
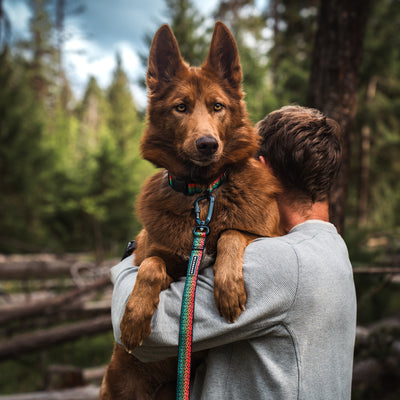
198 130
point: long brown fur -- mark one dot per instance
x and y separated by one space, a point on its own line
245 205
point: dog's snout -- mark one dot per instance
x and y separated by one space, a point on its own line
207 145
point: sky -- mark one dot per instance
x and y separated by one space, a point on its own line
104 28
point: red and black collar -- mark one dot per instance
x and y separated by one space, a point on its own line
191 188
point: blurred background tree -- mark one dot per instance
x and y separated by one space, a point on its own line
283 60
79 160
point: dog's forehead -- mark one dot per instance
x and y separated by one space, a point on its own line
197 85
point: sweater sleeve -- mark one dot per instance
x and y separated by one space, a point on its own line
270 273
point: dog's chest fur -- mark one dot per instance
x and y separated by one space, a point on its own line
169 216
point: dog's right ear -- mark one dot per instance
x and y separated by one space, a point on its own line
165 59
223 56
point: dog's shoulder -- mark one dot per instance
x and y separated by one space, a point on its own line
248 200
253 180
158 203
156 183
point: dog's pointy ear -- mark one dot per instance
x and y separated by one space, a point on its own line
165 59
223 56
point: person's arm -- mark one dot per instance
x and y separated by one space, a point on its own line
270 275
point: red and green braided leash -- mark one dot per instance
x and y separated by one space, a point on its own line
186 325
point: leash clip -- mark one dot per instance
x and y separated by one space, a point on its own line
200 223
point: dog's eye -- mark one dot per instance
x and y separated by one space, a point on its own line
218 107
180 108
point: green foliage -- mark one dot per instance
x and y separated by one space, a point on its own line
185 21
84 155
71 174
43 68
96 182
124 119
379 110
293 24
247 27
376 297
23 159
19 375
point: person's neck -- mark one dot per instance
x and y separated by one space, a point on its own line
292 213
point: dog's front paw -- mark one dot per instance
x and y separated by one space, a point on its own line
136 325
230 296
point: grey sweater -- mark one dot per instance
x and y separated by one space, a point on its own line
295 339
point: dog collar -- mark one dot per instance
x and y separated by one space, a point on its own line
191 188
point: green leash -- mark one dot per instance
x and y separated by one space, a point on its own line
186 325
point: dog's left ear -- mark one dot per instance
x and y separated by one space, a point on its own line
223 56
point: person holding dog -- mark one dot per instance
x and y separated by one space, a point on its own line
295 340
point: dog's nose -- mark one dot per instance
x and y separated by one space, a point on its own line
207 145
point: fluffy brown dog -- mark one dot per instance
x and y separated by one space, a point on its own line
198 130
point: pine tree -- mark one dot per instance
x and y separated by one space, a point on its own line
94 116
23 161
246 25
43 72
334 81
186 22
294 25
109 202
378 142
123 121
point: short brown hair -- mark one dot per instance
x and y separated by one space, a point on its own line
303 148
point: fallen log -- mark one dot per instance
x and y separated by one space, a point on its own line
366 373
34 266
364 333
78 311
94 374
370 370
376 270
84 393
29 342
61 376
51 305
45 266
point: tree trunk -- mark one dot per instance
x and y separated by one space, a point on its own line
365 150
334 80
365 147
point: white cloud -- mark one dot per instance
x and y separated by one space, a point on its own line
86 58
104 28
135 71
19 14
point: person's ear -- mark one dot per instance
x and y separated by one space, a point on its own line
266 163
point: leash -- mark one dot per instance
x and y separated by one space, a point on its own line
200 233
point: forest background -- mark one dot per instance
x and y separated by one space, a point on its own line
70 167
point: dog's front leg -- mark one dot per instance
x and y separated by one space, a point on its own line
151 279
229 292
